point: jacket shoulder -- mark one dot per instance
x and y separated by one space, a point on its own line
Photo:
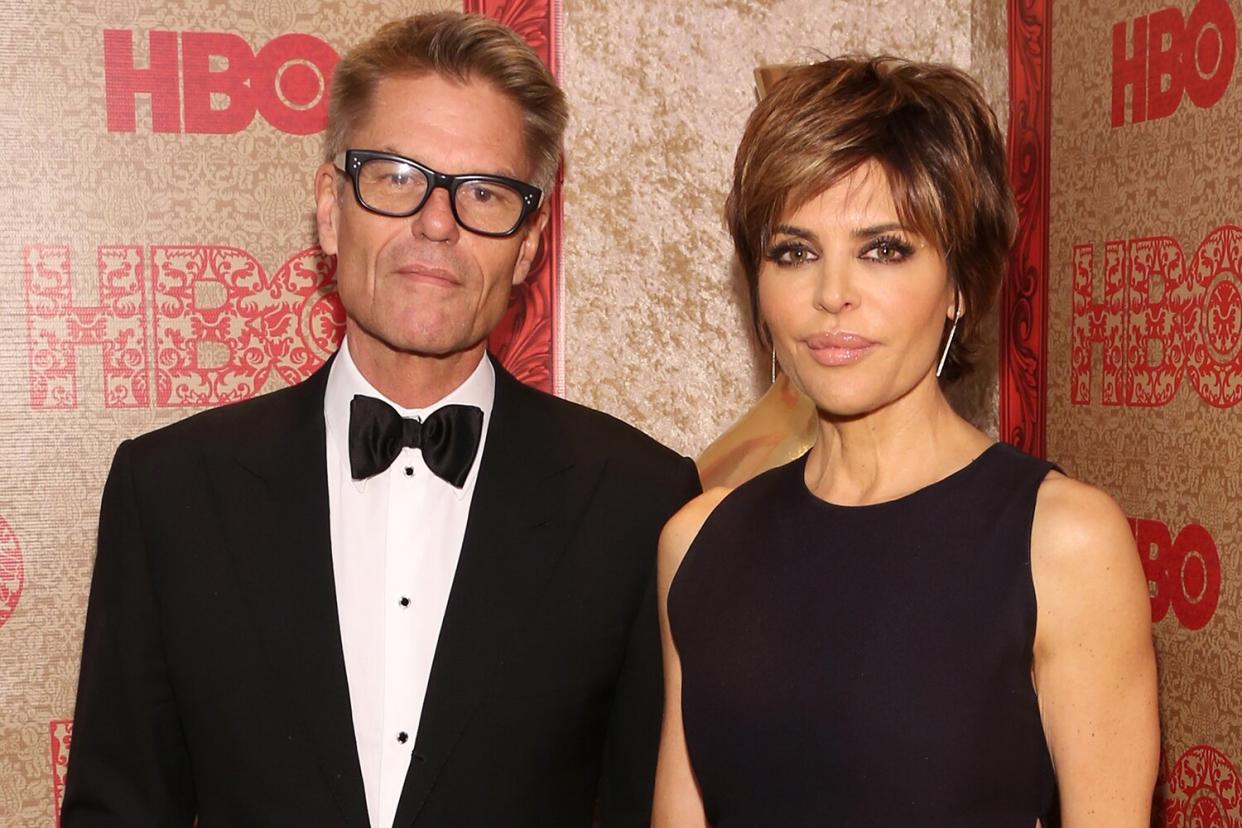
256 419
593 433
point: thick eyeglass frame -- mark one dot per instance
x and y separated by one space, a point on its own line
350 162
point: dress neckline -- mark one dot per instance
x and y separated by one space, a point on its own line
799 467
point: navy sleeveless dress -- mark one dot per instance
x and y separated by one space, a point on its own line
867 665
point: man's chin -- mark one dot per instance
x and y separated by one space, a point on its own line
429 348
421 337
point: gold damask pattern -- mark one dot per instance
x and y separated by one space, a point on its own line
1145 318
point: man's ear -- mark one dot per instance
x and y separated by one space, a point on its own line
530 246
327 206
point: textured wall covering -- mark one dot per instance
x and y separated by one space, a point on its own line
975 396
1144 358
654 329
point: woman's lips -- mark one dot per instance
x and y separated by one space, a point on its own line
838 347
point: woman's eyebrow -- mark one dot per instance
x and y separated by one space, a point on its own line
791 230
877 229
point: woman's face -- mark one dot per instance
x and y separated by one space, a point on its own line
855 301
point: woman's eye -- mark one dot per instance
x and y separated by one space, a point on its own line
790 254
887 251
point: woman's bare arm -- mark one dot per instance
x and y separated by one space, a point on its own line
1094 667
677 800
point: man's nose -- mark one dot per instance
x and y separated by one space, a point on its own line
435 220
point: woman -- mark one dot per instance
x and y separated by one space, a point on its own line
910 624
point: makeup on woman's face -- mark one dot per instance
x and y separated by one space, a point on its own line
855 299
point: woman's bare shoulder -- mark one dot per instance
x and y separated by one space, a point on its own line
1079 527
683 527
1087 572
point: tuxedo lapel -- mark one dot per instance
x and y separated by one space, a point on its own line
520 518
274 494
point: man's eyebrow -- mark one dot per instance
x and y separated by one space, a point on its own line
504 172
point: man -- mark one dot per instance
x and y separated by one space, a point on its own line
409 591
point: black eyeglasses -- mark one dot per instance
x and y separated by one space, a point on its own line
392 185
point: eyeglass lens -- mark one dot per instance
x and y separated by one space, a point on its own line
395 187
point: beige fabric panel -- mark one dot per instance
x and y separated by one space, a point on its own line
1144 370
655 325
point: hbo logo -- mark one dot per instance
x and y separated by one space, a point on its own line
211 82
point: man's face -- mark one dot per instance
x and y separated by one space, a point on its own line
423 284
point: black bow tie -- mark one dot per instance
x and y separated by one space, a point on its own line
448 438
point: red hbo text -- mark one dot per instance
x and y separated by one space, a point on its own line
1161 57
212 82
12 571
216 322
61 732
1156 319
1183 573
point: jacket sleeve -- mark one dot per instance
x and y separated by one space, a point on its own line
631 746
128 761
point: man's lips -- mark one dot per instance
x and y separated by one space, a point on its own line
429 275
838 347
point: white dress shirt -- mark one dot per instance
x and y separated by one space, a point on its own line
396 538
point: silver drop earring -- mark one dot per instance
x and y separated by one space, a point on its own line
957 314
774 365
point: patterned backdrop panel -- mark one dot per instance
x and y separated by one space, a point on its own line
1144 342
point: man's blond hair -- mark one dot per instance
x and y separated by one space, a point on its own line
461 47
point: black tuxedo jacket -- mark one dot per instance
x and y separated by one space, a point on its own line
212 679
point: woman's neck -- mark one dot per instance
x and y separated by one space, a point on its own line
892 451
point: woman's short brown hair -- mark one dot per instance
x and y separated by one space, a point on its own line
463 47
927 126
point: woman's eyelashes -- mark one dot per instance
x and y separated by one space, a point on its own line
886 249
791 253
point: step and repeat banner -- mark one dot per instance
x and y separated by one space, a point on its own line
157 249
158 257
1124 354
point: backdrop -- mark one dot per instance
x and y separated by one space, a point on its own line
1123 329
157 252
